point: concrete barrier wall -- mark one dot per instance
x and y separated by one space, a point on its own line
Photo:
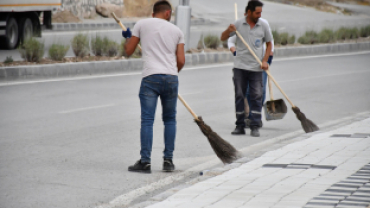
49 71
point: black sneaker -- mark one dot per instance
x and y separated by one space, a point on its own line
140 167
239 130
168 165
255 132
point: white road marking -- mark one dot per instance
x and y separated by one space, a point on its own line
185 69
86 109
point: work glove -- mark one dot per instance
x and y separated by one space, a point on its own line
127 33
234 53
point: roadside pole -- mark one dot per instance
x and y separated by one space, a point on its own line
182 20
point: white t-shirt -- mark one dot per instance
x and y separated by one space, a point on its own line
159 39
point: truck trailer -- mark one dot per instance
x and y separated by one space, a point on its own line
20 19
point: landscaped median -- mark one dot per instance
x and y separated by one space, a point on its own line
72 69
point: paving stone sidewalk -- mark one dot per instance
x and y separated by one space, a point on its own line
329 169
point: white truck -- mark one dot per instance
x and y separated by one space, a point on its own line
20 19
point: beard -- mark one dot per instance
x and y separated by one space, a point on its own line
255 20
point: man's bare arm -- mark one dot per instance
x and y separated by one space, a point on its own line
131 44
266 57
226 34
180 56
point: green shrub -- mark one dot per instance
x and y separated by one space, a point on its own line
327 36
212 41
8 60
136 54
80 45
112 49
32 50
291 39
276 37
342 33
57 52
354 33
284 38
365 31
97 46
310 37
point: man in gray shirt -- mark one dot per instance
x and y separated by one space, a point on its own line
247 71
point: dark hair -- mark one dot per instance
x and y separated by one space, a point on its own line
252 4
161 6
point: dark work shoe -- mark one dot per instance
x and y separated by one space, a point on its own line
168 165
239 130
140 167
255 132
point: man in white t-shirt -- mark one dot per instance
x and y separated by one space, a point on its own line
164 56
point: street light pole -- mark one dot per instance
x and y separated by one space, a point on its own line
182 20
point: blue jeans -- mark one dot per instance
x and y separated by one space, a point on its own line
152 87
242 79
264 80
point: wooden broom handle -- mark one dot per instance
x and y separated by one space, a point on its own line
270 89
267 71
271 95
236 11
122 26
188 107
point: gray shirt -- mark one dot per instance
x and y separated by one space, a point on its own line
255 38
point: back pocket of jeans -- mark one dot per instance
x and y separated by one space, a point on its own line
149 88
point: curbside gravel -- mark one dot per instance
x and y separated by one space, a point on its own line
48 71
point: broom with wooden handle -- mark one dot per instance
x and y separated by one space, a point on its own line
308 125
223 149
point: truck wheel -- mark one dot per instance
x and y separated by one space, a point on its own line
26 29
11 34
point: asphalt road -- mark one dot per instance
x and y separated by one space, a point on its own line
69 143
283 18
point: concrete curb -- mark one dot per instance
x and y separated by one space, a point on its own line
110 24
321 49
47 71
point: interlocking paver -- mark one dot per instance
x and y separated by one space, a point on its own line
251 185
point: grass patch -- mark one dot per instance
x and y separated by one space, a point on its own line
8 60
111 48
97 46
212 41
32 50
327 36
80 45
310 37
57 52
282 38
347 33
365 31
